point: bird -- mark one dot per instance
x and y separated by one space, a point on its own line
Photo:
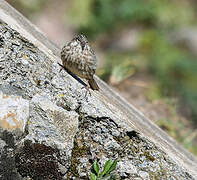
79 58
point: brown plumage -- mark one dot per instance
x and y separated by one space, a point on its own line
79 58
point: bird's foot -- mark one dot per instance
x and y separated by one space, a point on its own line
87 90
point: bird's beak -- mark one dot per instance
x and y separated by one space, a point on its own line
83 45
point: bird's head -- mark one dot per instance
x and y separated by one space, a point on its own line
82 40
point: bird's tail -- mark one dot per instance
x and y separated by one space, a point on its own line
93 84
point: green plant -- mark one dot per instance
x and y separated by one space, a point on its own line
109 166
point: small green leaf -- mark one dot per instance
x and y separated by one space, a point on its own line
93 176
107 167
113 166
96 167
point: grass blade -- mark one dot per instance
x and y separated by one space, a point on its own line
113 166
93 176
107 167
96 167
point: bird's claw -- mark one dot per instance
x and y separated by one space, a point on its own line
87 90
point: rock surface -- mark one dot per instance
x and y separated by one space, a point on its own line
14 112
49 129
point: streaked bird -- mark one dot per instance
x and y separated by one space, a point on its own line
79 58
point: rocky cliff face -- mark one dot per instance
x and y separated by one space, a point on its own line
50 130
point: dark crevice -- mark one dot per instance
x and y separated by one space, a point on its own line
103 118
133 134
8 138
64 106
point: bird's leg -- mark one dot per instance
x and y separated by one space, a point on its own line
87 90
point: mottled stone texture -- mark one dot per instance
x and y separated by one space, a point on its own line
61 132
37 134
138 158
14 112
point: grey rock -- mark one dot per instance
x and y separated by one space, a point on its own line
51 124
144 175
14 112
126 166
